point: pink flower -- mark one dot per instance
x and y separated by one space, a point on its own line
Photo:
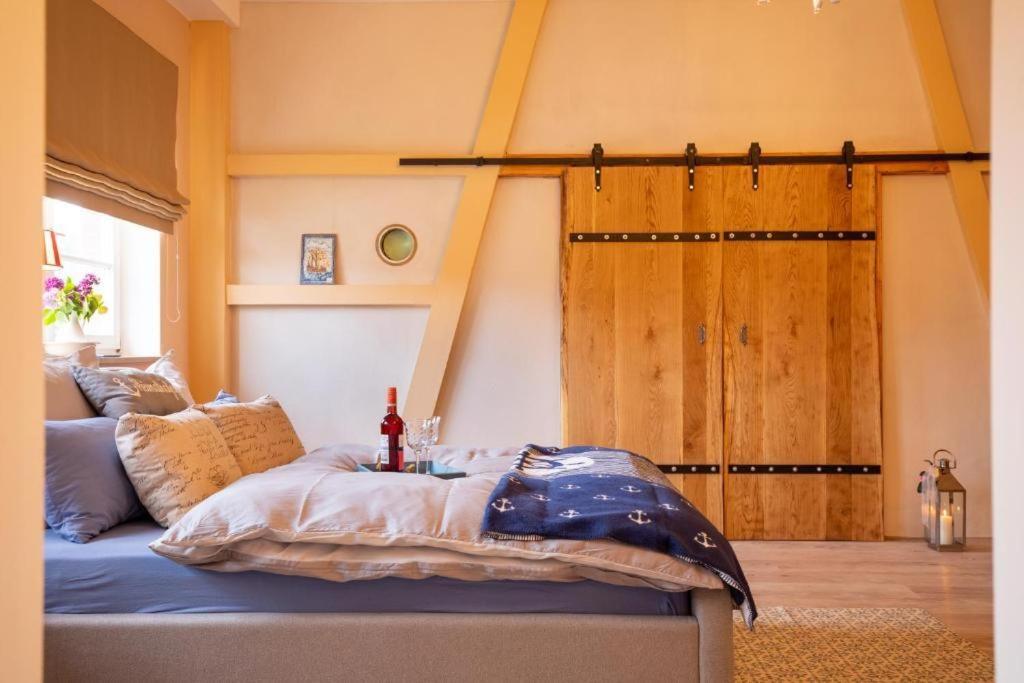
86 284
53 282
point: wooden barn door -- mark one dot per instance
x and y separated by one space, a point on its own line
663 286
642 344
801 355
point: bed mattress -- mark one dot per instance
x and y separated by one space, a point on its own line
117 573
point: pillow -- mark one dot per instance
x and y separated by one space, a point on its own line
64 400
224 397
165 367
174 462
87 490
114 393
259 434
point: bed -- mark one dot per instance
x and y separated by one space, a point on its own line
116 573
117 611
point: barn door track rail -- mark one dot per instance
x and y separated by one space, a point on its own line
754 157
738 235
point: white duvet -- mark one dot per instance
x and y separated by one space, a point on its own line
318 517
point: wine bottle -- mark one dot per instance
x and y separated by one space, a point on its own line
391 452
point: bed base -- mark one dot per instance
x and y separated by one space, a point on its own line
155 648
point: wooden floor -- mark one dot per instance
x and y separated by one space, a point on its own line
955 587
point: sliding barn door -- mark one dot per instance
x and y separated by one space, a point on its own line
802 405
642 321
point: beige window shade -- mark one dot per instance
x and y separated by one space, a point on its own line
110 118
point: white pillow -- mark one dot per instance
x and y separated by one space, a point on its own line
259 434
174 461
165 367
64 400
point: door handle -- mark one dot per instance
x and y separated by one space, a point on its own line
744 334
702 334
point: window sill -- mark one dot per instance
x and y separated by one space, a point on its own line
127 361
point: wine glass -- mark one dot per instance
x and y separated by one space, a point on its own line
421 435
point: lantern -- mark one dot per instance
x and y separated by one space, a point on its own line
947 508
925 486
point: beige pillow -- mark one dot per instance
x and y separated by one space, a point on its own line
64 400
259 434
174 461
165 367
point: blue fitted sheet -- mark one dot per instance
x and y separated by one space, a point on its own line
117 573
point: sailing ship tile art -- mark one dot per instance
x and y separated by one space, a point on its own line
317 266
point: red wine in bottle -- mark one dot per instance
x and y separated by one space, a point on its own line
391 452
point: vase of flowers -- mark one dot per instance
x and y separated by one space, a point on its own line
70 305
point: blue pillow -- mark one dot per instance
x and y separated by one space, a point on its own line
225 397
87 489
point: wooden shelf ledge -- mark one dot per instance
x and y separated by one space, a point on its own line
330 295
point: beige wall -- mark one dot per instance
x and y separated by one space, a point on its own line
363 77
935 365
1007 332
502 383
655 74
330 366
22 117
648 75
166 31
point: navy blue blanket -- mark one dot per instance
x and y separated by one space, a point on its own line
588 492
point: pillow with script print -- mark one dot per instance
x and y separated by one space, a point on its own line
259 434
114 393
174 462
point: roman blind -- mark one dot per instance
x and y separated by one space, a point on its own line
110 118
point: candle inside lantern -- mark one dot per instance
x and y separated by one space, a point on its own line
946 528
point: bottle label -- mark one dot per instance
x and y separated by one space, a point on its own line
382 450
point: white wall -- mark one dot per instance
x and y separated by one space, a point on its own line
363 77
645 75
502 384
655 74
1007 333
330 367
935 366
272 214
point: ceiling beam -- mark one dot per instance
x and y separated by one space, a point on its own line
228 11
474 205
209 241
952 131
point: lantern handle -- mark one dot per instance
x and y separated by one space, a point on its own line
951 457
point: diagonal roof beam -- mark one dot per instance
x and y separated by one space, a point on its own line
951 131
457 266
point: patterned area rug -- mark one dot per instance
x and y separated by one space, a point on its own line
800 644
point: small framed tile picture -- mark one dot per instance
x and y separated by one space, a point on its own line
317 267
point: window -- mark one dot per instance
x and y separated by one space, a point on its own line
126 258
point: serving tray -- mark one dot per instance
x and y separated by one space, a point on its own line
431 467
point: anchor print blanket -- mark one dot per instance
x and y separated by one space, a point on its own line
318 517
587 492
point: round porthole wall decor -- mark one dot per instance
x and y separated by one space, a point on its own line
396 244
